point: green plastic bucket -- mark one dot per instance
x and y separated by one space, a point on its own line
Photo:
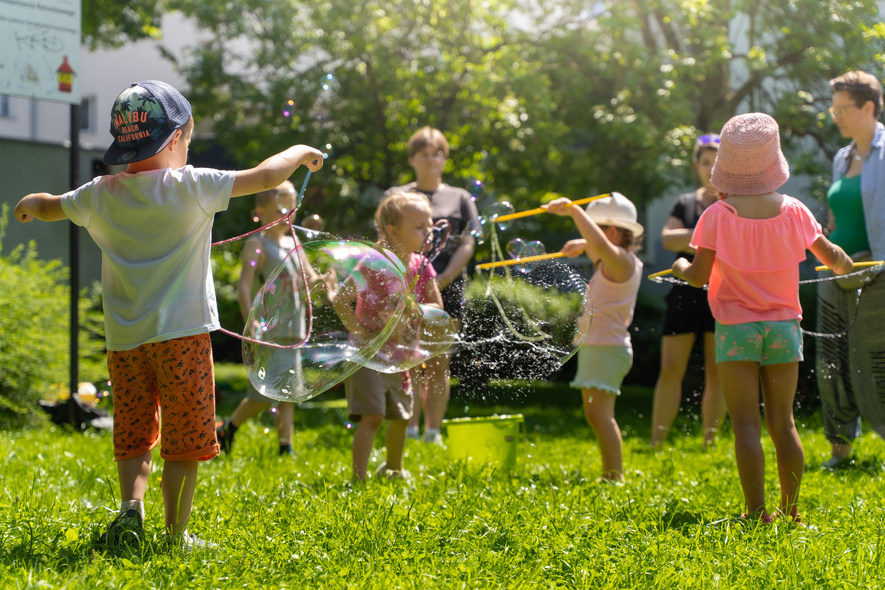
493 440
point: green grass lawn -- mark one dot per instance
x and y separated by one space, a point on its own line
296 522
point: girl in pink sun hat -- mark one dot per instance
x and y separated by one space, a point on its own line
749 245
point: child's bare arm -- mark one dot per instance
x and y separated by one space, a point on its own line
697 273
832 255
41 206
274 170
574 248
618 262
252 261
432 296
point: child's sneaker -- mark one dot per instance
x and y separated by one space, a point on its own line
392 474
412 433
225 435
837 463
126 529
188 542
433 437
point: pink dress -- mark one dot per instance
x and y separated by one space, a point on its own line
755 276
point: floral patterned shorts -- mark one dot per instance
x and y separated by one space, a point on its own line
766 343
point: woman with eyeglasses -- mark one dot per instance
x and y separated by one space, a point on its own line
428 151
688 316
850 368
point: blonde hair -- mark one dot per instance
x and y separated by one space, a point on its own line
428 136
862 87
267 197
390 209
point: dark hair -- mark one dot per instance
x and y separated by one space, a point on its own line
707 141
862 87
427 136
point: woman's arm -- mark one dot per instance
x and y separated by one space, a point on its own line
676 237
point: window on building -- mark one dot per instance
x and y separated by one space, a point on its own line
5 108
87 114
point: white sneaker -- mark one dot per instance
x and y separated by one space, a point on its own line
433 437
392 474
412 433
187 542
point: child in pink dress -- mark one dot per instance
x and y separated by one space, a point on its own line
749 246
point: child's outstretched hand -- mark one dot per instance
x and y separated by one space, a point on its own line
560 206
679 267
574 248
313 159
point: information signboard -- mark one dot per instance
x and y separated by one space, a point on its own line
40 49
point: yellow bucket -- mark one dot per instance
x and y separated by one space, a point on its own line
490 440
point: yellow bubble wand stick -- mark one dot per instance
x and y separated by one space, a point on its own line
529 212
856 265
514 261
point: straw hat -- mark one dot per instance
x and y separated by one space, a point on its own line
616 210
750 160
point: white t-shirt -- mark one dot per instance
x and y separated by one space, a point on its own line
154 229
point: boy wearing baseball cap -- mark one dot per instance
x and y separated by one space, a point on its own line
153 224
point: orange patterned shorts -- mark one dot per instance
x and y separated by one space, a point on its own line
165 386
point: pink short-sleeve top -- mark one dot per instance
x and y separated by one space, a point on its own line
755 276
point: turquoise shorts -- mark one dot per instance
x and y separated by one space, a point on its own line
766 343
602 367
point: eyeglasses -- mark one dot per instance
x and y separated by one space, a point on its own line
841 110
428 156
708 139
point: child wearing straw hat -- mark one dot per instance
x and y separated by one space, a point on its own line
749 245
609 231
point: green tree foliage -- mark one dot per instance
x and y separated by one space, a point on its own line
111 23
560 96
34 335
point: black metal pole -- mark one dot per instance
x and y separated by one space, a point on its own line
75 266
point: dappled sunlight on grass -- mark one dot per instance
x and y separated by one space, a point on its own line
299 522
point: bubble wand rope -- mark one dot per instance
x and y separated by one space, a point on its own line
520 214
496 248
863 268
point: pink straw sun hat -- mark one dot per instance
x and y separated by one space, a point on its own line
750 160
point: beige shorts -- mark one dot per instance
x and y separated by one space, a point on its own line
371 392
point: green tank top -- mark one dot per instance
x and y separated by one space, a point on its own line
847 206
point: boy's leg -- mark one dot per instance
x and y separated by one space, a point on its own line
779 384
285 418
740 387
675 353
712 403
395 440
599 410
363 441
179 484
133 475
187 399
